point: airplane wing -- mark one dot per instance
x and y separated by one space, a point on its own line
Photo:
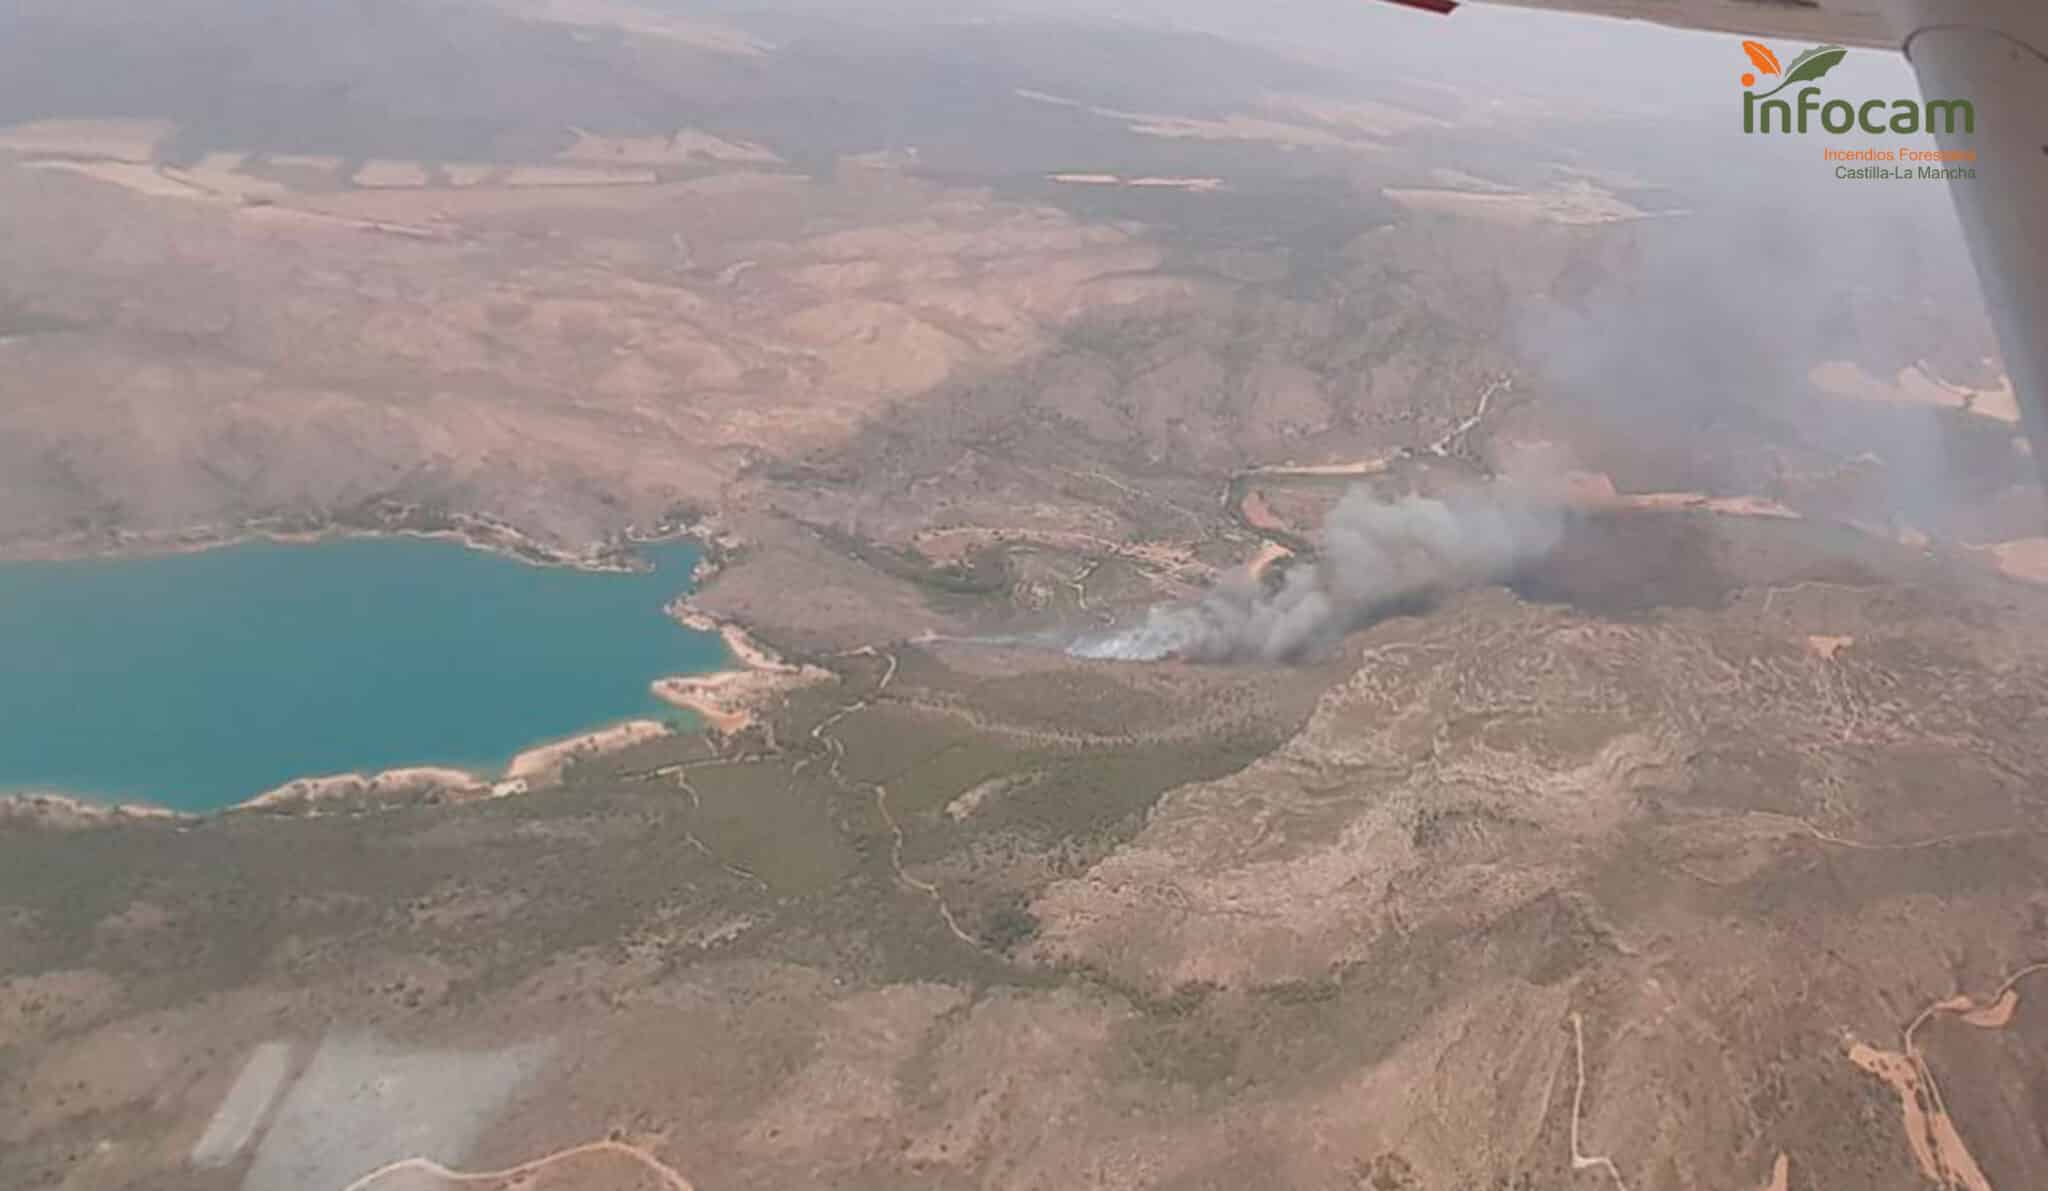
1840 22
1991 53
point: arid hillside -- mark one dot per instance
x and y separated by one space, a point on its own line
673 264
1515 893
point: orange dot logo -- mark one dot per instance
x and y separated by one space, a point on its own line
1748 80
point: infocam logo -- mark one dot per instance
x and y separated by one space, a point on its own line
1763 114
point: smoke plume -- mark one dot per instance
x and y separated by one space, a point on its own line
1378 557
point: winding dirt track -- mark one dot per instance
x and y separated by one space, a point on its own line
1580 1159
836 750
1937 1145
669 1176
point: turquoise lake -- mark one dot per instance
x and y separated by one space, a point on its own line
196 681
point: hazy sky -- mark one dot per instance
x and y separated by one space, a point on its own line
1633 63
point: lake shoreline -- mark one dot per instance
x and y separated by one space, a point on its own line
61 812
535 765
729 700
611 555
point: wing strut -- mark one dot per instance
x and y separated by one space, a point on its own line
1991 53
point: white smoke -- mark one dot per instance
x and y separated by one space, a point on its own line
1377 557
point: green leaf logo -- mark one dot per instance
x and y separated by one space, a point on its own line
1809 67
